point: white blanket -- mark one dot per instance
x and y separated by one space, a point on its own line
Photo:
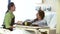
15 31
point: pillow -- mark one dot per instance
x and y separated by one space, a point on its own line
53 22
48 16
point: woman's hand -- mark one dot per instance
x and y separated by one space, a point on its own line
19 22
12 27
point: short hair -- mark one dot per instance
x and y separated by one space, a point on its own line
11 4
41 14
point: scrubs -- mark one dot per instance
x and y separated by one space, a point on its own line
9 20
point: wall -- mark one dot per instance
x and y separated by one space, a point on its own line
58 16
25 9
3 9
51 3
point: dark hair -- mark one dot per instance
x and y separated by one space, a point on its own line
11 4
41 14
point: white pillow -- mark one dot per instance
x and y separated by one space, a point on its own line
53 22
48 16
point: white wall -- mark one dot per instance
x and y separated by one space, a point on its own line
51 3
3 9
25 9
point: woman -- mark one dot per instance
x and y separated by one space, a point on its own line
39 21
9 17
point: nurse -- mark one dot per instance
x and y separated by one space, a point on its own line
9 17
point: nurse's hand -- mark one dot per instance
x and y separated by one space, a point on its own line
12 26
19 23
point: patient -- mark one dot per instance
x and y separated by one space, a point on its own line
39 21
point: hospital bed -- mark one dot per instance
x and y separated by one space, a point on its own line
50 29
36 30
